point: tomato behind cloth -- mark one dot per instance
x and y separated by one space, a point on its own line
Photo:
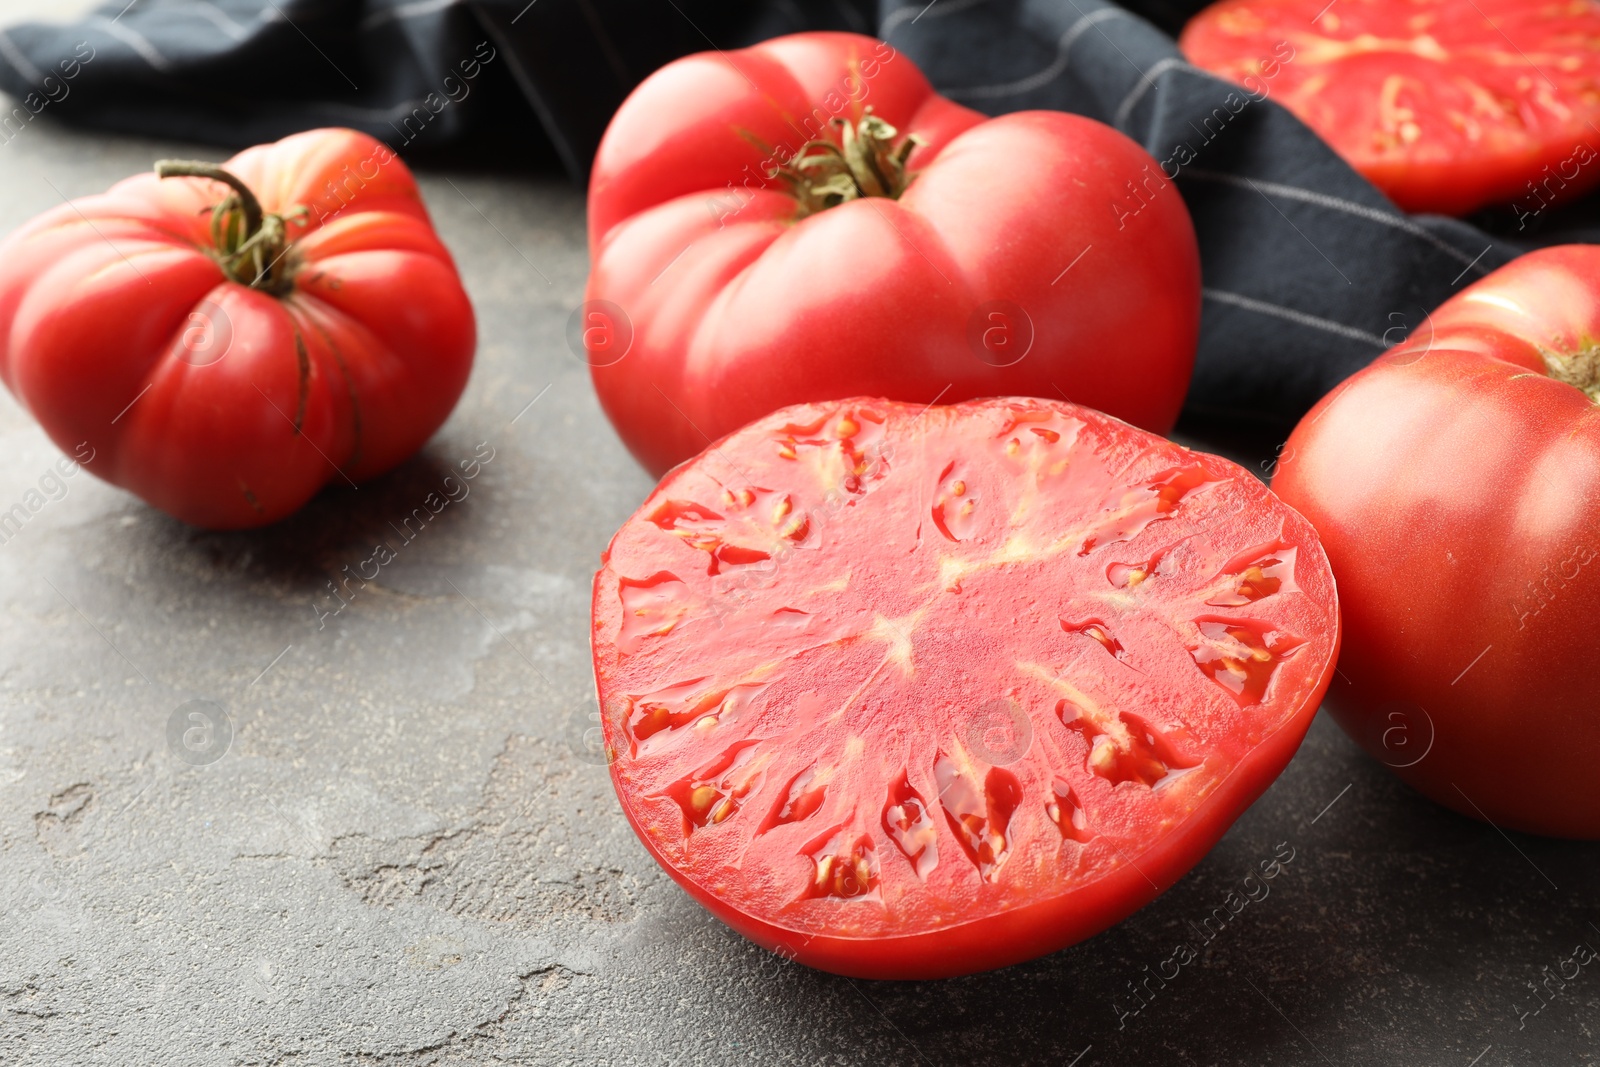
1456 486
1447 107
807 220
224 366
904 691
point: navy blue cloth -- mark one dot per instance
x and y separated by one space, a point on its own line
1309 271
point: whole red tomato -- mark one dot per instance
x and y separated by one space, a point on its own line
231 337
904 691
1456 486
1445 106
807 220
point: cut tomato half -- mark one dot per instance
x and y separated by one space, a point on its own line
1446 107
906 692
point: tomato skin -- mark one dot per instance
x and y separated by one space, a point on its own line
837 511
1446 108
223 405
736 307
1456 486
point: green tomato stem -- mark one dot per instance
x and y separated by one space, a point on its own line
252 245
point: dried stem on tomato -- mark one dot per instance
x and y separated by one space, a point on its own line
866 161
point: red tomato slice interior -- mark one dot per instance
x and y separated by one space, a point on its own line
1446 107
873 674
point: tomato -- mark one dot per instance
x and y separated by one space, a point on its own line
904 691
807 220
225 341
1446 107
1456 485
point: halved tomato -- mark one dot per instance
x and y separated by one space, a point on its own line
905 692
1446 107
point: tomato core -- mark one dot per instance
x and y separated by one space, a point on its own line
251 246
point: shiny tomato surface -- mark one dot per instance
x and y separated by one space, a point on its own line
1446 105
905 691
1456 486
1039 253
224 396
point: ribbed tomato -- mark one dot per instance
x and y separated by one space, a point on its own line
1446 107
228 339
808 220
1456 485
905 692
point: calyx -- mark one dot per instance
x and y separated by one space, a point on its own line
253 247
865 162
1580 369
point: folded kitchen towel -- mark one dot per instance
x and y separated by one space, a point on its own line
1309 271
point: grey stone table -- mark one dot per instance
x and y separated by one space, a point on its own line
407 852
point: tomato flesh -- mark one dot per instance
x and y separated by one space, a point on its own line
910 691
1446 107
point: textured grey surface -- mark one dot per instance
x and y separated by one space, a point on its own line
409 855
